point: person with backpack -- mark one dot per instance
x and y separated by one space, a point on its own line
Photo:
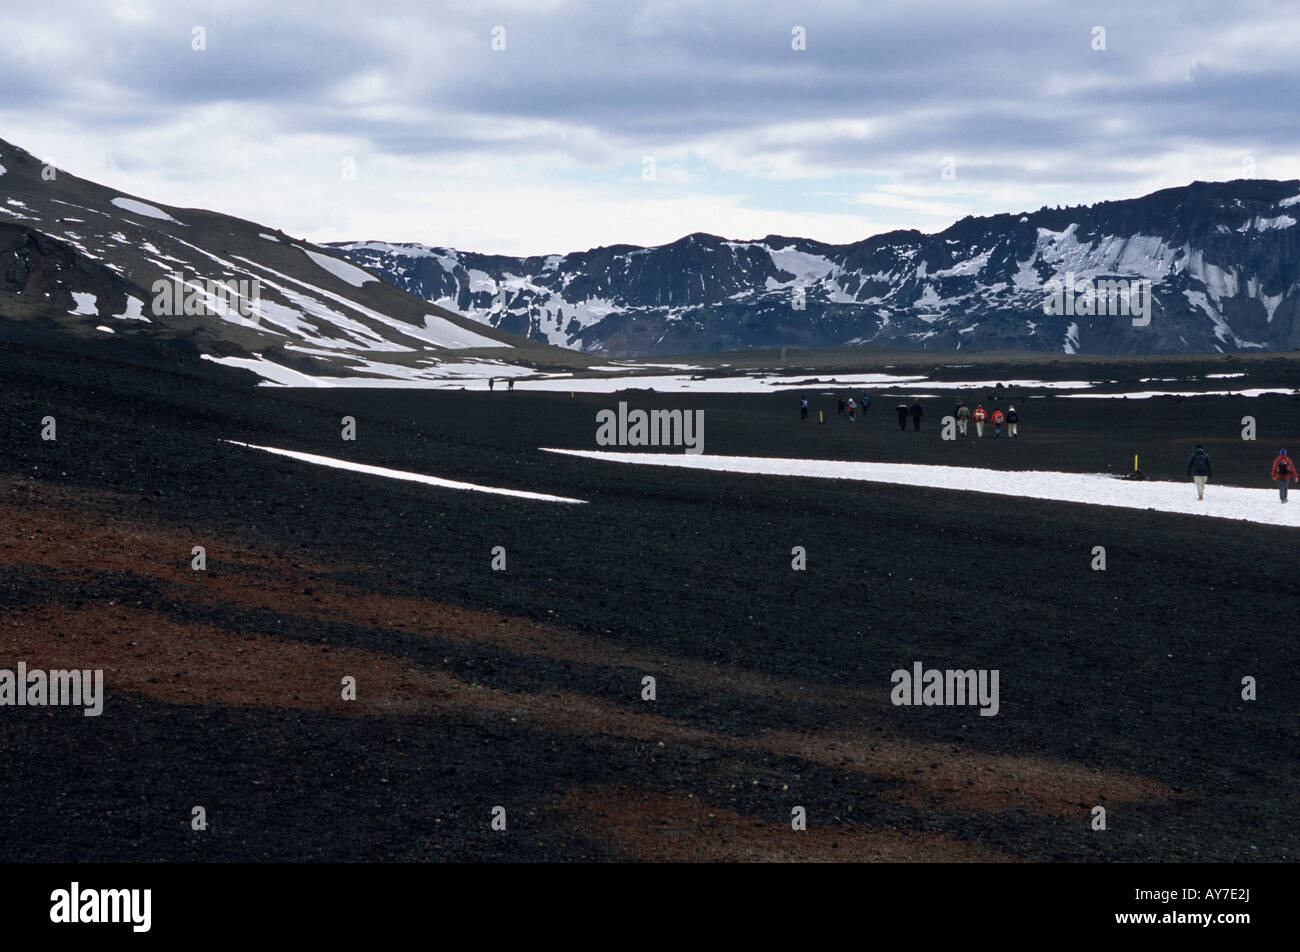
491 382
979 417
839 407
853 411
1012 419
963 418
803 409
1283 472
902 416
916 413
1198 467
865 403
510 385
998 418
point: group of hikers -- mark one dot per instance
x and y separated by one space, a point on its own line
1199 468
851 407
510 383
1284 471
979 416
914 411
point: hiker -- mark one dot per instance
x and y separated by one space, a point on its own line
840 409
979 418
510 385
902 416
1198 467
1012 419
853 411
916 413
491 381
963 418
1283 471
803 409
998 419
865 403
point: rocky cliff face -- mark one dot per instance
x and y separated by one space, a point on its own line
1221 262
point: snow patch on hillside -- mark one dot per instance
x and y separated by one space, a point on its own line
1071 344
443 333
85 304
339 268
143 208
134 310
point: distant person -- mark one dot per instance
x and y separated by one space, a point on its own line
803 409
491 382
840 409
963 418
853 411
1283 472
1198 467
510 385
1012 419
979 417
916 413
998 420
865 403
902 416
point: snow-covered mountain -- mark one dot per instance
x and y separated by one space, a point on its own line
1223 260
83 261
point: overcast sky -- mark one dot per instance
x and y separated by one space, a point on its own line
639 122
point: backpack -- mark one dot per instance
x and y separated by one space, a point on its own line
1200 464
1284 467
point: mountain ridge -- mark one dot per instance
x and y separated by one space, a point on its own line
1222 257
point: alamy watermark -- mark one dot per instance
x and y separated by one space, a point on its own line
79 905
56 688
1104 297
174 296
651 428
932 687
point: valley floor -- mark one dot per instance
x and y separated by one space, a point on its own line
523 687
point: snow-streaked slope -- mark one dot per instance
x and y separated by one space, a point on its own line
229 287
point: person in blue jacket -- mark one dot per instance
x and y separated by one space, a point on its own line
1198 467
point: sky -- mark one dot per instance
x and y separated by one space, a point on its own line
546 127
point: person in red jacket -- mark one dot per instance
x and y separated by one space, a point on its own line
997 422
979 417
1283 473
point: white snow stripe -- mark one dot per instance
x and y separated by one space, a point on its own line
400 474
1221 502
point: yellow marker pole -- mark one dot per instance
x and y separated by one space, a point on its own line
1135 462
820 418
